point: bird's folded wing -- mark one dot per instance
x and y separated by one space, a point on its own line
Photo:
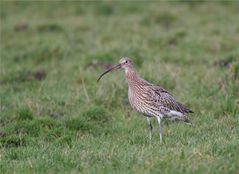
161 97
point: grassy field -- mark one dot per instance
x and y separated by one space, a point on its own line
55 117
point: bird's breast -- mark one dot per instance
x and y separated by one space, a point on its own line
131 98
134 100
137 103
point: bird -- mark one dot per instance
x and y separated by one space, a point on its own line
150 100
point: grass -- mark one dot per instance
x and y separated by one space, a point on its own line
55 118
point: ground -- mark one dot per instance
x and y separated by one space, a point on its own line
55 117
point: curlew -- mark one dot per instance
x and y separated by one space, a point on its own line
149 99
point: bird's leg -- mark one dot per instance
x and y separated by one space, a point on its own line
160 129
151 129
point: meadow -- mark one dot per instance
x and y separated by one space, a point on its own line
55 117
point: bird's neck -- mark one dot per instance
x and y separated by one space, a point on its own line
131 76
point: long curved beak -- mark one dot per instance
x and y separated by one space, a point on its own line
111 69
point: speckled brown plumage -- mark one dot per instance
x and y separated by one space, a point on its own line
149 99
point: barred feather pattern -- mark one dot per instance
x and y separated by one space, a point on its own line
152 100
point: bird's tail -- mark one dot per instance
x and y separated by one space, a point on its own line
185 109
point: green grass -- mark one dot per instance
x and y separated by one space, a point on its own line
55 117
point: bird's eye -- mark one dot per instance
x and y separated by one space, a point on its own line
126 61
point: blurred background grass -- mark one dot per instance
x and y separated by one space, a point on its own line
55 118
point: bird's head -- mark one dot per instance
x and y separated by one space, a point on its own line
125 63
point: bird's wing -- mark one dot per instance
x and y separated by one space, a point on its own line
163 98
